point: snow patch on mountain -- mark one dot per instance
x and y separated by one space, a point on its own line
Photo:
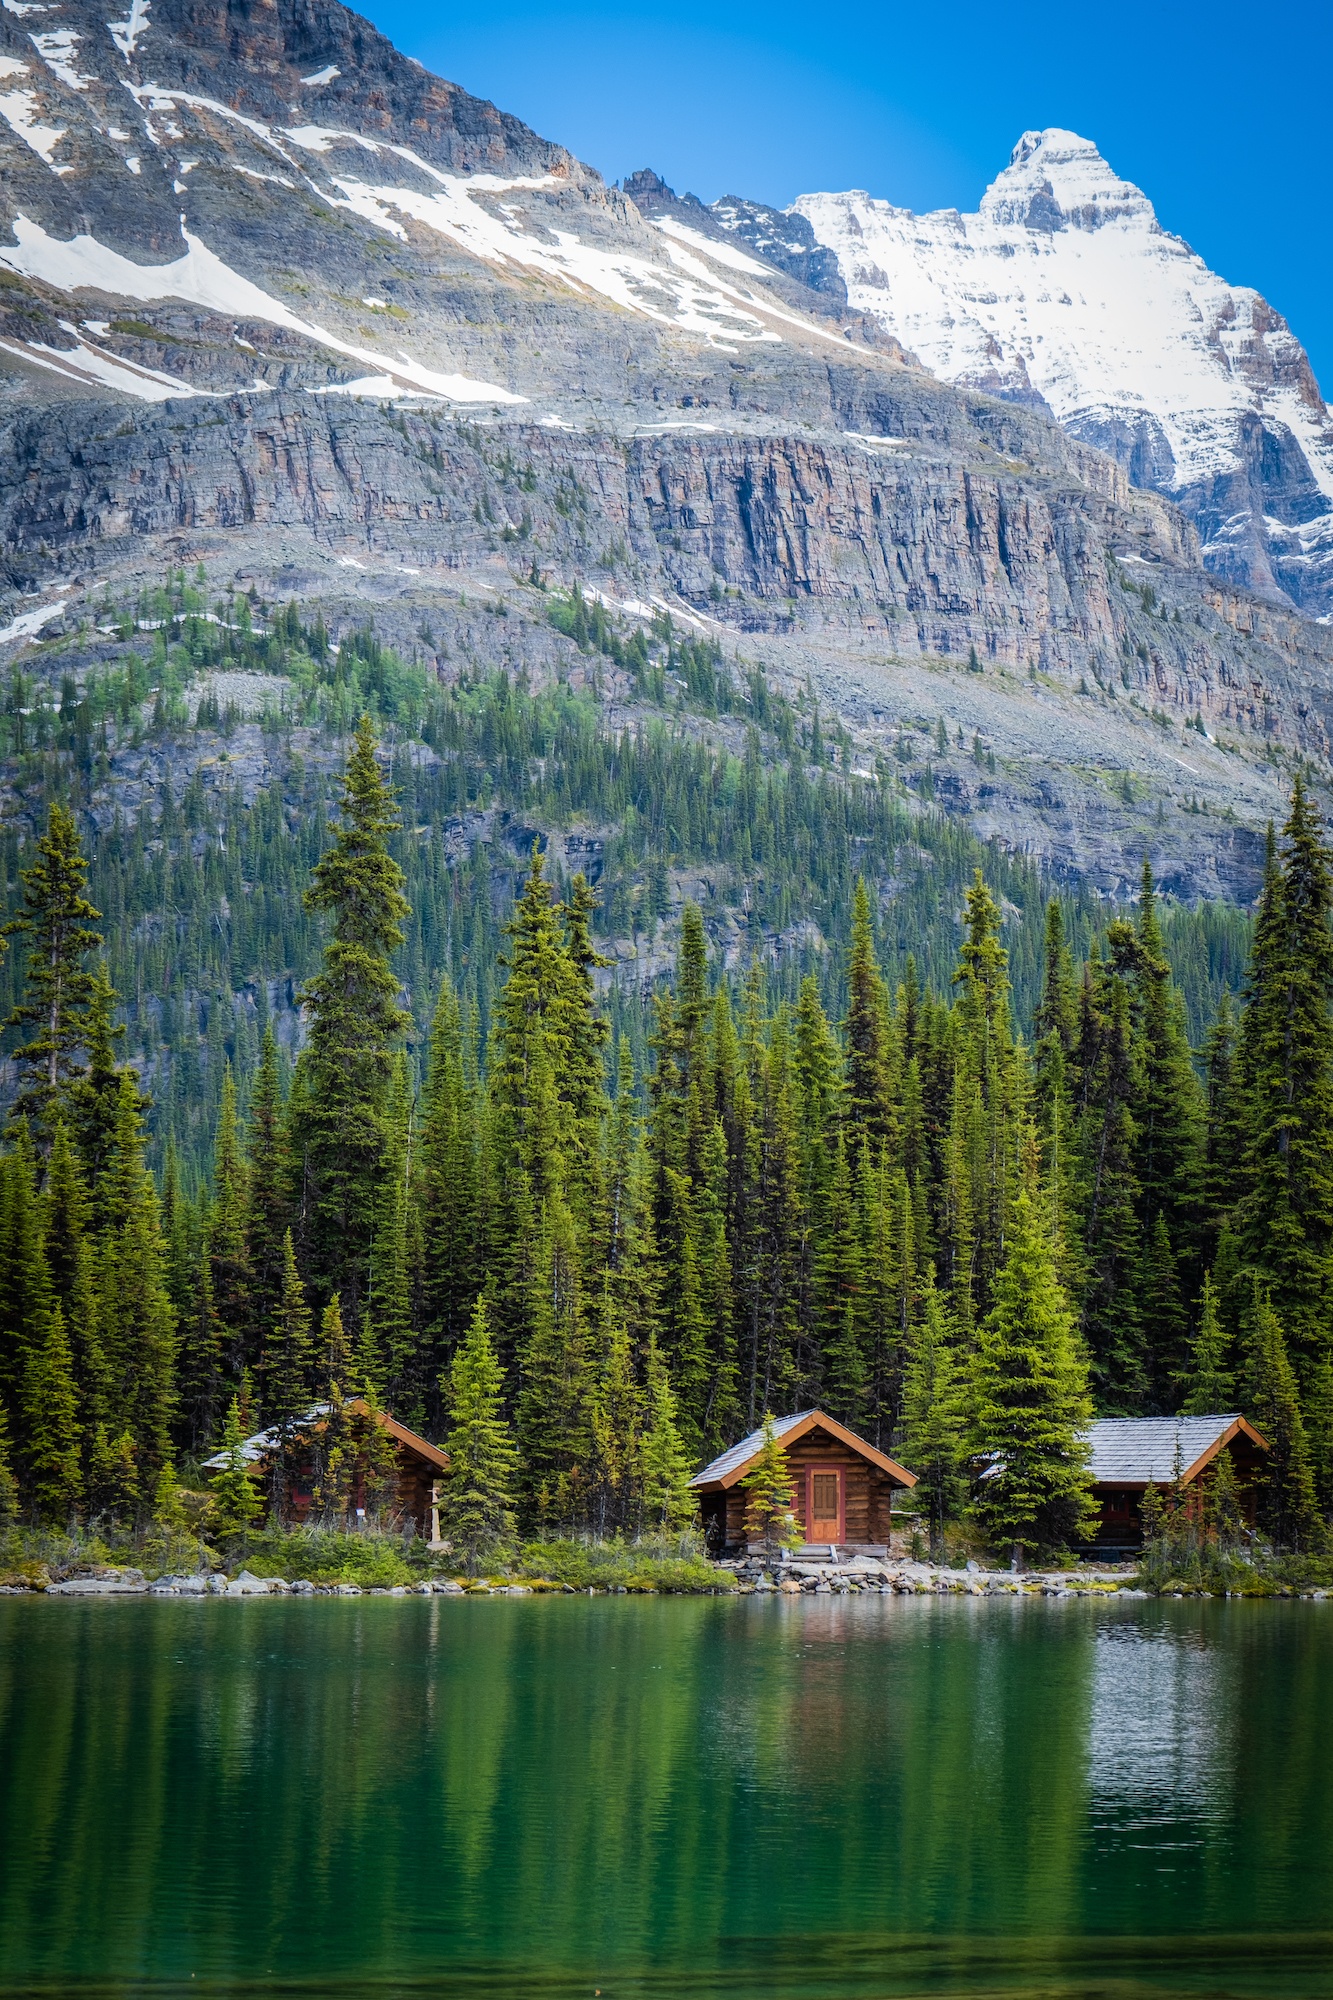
20 112
97 369
721 253
29 623
201 278
57 48
125 34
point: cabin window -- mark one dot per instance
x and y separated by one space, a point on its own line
824 1507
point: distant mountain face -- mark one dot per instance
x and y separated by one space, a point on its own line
1064 291
276 301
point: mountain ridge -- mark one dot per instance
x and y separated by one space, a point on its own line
417 354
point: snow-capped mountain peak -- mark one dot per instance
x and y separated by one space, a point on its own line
1056 180
1064 291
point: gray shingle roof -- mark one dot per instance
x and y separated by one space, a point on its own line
253 1449
738 1453
1144 1448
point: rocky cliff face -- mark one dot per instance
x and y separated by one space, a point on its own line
275 300
1063 291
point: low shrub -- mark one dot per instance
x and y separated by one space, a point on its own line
28 1555
670 1563
323 1555
1172 1567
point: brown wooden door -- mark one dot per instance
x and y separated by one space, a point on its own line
824 1506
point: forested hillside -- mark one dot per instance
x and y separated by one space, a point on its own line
749 1187
201 747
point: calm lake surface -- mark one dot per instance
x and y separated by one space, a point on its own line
665 1797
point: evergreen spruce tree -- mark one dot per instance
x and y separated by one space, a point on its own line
287 1363
168 1508
111 1486
583 1036
231 1280
615 1420
554 1400
1286 1217
448 1190
268 1209
334 1368
236 1504
96 1098
840 1301
865 1028
136 1321
389 1292
781 1362
990 1093
1152 1515
477 1494
934 1416
883 1205
1108 1139
56 919
720 1409
1162 1308
1225 1503
52 1474
530 1120
1226 1145
201 1384
770 1507
340 1131
1054 1080
1031 1411
25 1278
1170 1113
69 1259
1317 1405
668 1500
9 1491
1288 1505
179 1228
1208 1385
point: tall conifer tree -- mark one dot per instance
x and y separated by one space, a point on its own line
137 1323
341 1133
1031 1410
934 1415
56 918
52 1473
1208 1386
1289 1509
477 1493
231 1279
269 1204
668 1500
865 1029
1286 1217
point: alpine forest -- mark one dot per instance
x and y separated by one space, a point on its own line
587 1236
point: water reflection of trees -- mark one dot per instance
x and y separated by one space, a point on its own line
233 1788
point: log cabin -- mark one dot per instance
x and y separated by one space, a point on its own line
419 1465
843 1487
1130 1453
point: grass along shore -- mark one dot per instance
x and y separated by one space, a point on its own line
35 1560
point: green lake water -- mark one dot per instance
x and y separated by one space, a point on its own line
822 1797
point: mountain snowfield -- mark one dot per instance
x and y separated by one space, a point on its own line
1065 290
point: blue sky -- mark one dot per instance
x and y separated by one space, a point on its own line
1219 113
